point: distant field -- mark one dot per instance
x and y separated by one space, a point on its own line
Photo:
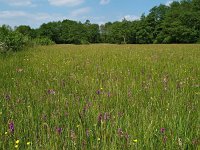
101 97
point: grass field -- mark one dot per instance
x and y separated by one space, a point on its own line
101 97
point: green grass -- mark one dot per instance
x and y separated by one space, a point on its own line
102 96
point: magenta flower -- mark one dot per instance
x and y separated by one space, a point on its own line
11 127
162 130
59 130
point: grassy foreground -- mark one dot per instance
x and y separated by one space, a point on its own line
101 97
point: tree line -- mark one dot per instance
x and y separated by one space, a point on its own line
177 23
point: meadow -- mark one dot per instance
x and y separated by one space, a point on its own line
102 96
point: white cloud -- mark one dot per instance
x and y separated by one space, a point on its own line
12 14
15 18
65 2
80 11
104 2
130 17
18 2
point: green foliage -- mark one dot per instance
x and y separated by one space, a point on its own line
12 40
26 31
177 23
42 41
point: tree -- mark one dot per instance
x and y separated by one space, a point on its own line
26 30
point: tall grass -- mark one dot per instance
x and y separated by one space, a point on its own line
101 97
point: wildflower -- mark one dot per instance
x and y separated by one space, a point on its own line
28 143
11 127
135 141
98 139
17 142
6 133
51 92
120 132
162 130
59 130
16 146
98 92
100 118
101 88
164 139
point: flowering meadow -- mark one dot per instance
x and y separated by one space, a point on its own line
101 97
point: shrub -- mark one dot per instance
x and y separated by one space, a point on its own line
167 40
198 41
13 41
42 41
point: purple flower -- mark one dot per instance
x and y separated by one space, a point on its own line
100 118
59 130
11 127
98 92
162 130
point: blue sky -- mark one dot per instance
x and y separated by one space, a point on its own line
36 12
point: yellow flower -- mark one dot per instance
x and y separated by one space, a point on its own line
6 133
101 88
98 139
16 146
135 141
28 143
17 142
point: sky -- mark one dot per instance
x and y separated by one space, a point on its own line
36 12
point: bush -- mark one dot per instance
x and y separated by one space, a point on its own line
167 40
42 41
13 41
198 41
